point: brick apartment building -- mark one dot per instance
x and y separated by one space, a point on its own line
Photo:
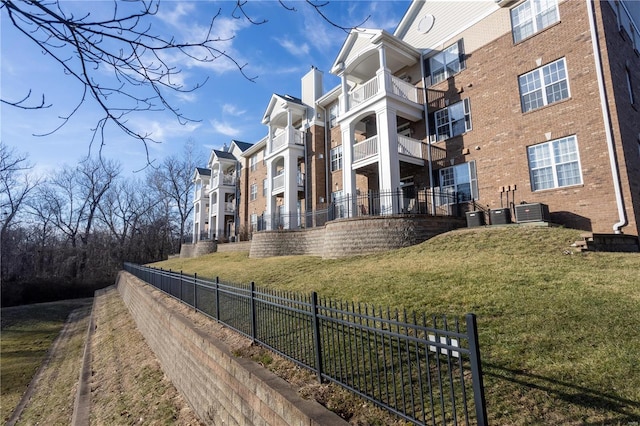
493 103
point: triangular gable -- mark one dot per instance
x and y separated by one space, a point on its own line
278 105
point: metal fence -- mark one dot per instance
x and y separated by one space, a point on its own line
425 370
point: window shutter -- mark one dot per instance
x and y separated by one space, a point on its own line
461 55
473 177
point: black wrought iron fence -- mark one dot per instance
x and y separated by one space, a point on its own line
425 370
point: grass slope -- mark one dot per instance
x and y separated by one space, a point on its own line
27 333
559 333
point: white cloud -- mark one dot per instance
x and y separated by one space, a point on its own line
163 130
232 110
295 48
225 128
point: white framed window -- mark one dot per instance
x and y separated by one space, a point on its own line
554 164
453 120
253 162
333 115
544 85
533 16
254 222
253 193
336 158
446 63
264 187
460 180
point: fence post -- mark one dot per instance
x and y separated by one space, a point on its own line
316 334
181 286
195 291
217 299
253 311
476 370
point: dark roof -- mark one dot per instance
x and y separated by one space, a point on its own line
203 171
291 99
242 145
224 154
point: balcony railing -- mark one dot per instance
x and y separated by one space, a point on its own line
409 146
222 179
229 207
365 149
294 137
278 182
390 84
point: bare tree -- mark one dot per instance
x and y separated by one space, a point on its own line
119 59
172 181
71 198
15 184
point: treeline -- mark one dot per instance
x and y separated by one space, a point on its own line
66 234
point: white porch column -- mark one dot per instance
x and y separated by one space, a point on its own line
194 230
291 191
269 140
345 94
212 214
382 56
389 163
348 175
271 202
219 212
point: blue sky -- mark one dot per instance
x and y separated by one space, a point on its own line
228 106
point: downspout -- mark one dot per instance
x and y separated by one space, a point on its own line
622 218
426 128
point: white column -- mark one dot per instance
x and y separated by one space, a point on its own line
388 164
348 175
271 202
291 190
268 150
382 56
219 223
345 94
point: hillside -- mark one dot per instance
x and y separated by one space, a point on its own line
559 330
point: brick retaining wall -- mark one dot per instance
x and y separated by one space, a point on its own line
348 237
221 388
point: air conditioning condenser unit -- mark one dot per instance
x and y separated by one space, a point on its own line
533 212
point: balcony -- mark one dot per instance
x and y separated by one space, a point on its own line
386 84
368 149
279 183
287 138
222 179
229 207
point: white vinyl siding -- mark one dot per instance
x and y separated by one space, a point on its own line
554 164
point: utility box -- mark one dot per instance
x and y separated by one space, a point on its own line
500 216
533 212
475 219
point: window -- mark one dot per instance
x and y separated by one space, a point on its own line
630 87
460 180
253 162
453 120
533 16
333 115
446 63
254 192
554 164
254 222
336 158
264 187
544 85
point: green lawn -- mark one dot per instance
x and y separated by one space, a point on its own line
559 330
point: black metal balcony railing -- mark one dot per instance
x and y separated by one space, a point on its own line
425 370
